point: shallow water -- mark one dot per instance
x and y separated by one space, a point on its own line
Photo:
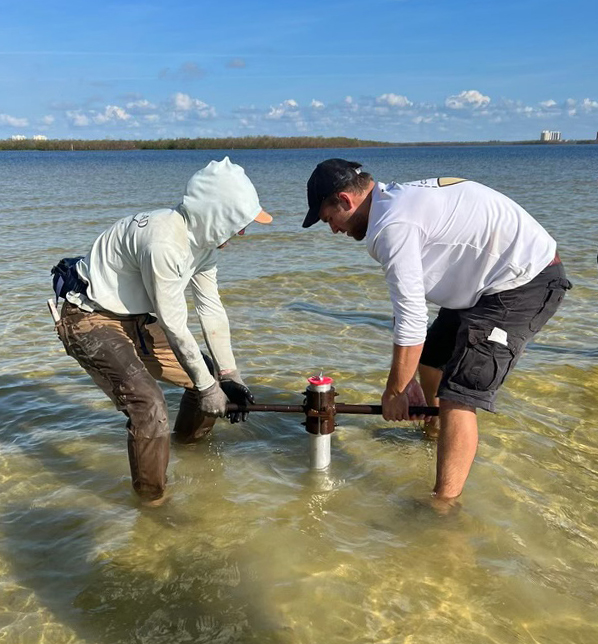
252 547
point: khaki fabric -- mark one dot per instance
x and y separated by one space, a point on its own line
125 356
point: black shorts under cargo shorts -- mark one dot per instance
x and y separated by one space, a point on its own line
476 348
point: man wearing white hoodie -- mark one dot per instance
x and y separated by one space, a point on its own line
125 316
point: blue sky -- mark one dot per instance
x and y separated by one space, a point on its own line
392 70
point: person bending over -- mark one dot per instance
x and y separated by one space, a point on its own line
490 266
125 316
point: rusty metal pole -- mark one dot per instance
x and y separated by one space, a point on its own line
320 411
319 420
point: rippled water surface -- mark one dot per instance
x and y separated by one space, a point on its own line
252 547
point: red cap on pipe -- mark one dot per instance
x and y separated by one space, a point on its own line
318 381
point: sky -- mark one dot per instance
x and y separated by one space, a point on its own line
387 70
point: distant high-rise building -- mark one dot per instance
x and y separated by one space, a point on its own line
550 135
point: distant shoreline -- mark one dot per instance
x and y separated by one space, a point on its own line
248 143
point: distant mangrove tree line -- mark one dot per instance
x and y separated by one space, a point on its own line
229 143
240 143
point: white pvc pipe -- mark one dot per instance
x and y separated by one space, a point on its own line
319 451
319 444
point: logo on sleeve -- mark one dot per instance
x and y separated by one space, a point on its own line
449 181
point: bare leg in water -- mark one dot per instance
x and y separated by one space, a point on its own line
457 445
429 378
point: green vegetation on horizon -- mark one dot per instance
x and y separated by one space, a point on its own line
228 143
240 143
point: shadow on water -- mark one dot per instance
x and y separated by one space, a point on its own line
383 321
378 320
45 425
58 551
153 587
54 555
51 430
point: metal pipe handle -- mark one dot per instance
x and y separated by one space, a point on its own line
340 408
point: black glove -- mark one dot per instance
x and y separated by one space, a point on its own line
238 393
212 401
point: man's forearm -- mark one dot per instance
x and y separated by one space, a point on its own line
403 367
190 358
216 331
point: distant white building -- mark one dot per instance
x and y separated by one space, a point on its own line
550 135
40 137
18 137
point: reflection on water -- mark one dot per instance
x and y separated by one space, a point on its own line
252 547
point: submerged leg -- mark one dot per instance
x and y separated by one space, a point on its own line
103 347
457 445
191 425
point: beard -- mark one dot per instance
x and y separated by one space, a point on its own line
359 230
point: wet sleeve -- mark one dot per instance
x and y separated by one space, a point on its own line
398 249
163 280
213 319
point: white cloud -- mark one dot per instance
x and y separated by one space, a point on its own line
76 118
350 104
13 121
111 113
287 109
275 113
571 107
467 115
184 103
141 106
589 105
187 107
394 100
467 98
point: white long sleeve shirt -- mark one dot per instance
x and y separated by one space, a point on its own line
450 241
143 264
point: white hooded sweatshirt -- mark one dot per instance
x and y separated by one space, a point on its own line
143 263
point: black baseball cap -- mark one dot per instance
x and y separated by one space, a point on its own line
330 176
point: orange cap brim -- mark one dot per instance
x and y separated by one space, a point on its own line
263 218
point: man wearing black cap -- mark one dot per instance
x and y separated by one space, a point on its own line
492 269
